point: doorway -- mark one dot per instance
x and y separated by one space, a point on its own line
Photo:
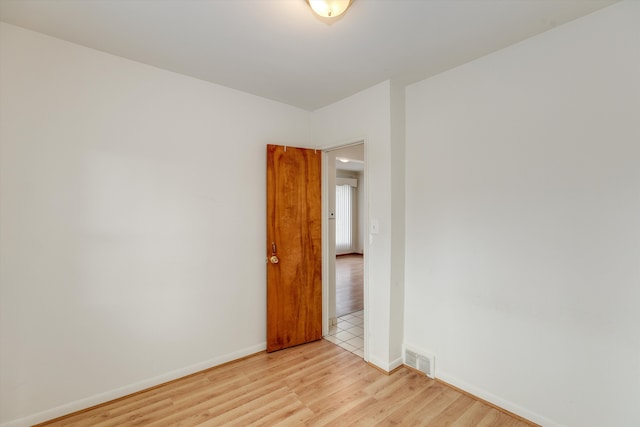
344 201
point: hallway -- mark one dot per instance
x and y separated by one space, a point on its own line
349 284
349 331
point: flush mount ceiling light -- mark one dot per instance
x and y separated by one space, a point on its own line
329 8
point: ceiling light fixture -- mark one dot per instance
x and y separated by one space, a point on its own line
329 8
343 160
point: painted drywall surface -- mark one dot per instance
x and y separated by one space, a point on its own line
398 122
366 116
132 221
523 223
362 226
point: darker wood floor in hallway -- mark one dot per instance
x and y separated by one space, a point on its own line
349 284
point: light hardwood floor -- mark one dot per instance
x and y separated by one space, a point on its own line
314 384
349 284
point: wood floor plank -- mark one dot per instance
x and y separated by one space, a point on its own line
331 407
218 403
421 397
473 415
452 412
326 380
250 412
495 417
316 384
423 413
295 413
349 284
386 400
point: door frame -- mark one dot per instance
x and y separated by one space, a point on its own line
325 238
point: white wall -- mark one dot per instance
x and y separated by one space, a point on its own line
523 223
131 224
397 158
367 116
362 223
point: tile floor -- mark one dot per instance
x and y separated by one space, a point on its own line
349 333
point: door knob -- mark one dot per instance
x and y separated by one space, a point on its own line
274 259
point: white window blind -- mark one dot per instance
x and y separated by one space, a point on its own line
345 196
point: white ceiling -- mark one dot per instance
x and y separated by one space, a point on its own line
280 50
353 153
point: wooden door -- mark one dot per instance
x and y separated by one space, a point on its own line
294 252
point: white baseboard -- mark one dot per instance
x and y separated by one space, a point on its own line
131 388
498 401
386 366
